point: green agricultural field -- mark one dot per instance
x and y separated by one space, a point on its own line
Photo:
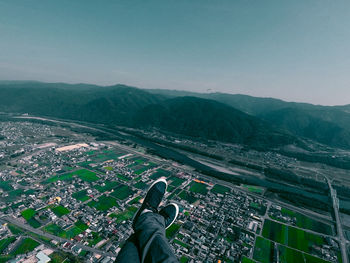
63 177
170 188
289 255
141 185
122 192
220 189
184 259
125 215
184 195
198 188
173 194
106 186
179 242
308 223
81 196
263 250
86 175
291 236
140 161
105 156
33 223
81 225
55 230
6 185
108 168
72 232
247 260
135 200
254 189
4 243
5 258
176 181
25 246
137 179
15 230
172 230
95 239
160 173
83 174
38 237
57 257
141 170
13 195
260 208
123 177
104 203
312 259
60 210
28 213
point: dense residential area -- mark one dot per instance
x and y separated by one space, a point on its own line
66 196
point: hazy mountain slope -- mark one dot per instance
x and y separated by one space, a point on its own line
198 117
300 123
103 104
325 124
248 104
128 106
190 116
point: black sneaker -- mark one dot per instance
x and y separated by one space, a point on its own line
153 198
169 213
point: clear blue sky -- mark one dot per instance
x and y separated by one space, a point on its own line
297 50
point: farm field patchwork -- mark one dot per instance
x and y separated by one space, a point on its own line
81 196
263 251
104 203
4 243
291 236
160 173
176 181
198 188
122 192
220 189
26 245
60 210
305 222
184 195
106 186
28 215
125 215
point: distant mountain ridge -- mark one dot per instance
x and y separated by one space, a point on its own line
203 118
325 124
233 118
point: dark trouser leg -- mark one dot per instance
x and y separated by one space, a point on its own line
129 252
153 245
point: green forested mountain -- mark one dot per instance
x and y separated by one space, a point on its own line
232 118
210 119
325 124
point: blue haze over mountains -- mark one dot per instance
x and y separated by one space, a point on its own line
263 122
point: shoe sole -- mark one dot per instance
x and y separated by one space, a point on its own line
156 181
176 214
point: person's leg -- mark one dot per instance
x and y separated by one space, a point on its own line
149 226
129 252
153 244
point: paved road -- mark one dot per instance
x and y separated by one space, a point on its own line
59 239
340 232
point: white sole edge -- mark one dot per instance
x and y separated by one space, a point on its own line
177 213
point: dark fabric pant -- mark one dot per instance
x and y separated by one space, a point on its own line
148 243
